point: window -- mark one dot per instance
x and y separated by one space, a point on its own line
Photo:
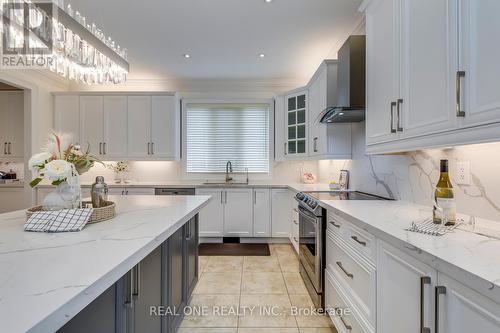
217 133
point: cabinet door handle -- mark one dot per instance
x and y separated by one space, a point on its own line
123 192
343 270
100 148
400 125
393 104
295 239
440 290
315 145
104 148
424 280
460 75
5 148
355 238
335 225
221 200
347 327
152 148
136 275
149 148
128 296
296 222
10 148
286 153
254 197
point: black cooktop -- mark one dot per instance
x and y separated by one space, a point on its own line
336 195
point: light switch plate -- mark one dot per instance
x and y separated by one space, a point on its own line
463 176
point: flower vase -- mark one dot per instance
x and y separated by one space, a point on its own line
67 195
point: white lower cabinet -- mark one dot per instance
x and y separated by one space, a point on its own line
262 212
12 199
238 211
131 191
212 215
414 297
246 212
295 230
405 292
341 312
462 310
281 208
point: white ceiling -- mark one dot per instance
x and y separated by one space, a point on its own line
225 37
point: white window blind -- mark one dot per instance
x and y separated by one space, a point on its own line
217 133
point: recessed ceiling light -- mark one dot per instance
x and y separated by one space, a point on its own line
268 1
187 56
261 55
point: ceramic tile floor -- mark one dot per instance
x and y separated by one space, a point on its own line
235 292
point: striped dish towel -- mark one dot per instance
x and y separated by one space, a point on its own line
58 220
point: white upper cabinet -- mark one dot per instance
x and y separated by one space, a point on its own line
139 126
279 128
67 115
382 70
12 124
478 57
165 127
92 124
425 102
296 114
327 141
431 84
120 126
115 126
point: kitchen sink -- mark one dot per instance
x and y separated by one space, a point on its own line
214 183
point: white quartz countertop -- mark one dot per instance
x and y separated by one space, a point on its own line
297 187
468 257
47 278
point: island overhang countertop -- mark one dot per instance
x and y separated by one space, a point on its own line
47 278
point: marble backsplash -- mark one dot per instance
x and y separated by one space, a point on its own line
413 176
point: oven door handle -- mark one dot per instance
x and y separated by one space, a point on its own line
307 213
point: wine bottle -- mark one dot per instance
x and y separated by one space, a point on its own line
444 198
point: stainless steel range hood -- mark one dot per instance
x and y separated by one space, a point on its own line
350 105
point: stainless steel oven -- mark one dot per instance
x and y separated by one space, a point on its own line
311 252
312 230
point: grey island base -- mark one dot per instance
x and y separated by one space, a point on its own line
134 273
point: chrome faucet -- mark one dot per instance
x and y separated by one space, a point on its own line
229 169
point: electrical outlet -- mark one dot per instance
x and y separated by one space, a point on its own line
463 173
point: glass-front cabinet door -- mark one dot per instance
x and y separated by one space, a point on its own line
296 124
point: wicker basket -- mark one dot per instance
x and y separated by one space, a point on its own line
98 214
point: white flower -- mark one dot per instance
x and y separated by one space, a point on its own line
38 160
58 170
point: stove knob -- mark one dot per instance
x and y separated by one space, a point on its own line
300 196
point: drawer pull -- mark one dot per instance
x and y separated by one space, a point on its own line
440 290
355 238
347 327
343 270
295 239
335 225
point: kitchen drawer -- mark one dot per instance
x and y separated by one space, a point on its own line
335 224
353 272
336 300
360 240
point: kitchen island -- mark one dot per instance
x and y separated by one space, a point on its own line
46 279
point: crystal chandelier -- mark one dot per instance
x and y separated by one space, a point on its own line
49 35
